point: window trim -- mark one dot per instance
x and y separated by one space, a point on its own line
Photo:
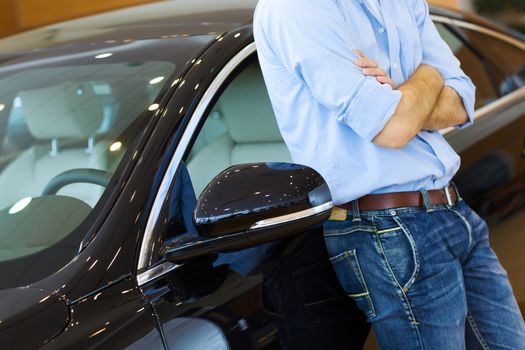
144 261
475 27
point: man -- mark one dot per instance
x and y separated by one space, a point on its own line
413 256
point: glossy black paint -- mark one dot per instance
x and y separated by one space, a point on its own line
219 296
176 114
199 246
117 317
89 292
228 208
33 310
195 247
244 194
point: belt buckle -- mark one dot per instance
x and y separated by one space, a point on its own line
449 196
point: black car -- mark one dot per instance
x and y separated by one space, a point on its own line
112 126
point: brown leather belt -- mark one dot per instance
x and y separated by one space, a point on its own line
448 195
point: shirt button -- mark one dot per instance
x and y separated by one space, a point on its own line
396 66
381 30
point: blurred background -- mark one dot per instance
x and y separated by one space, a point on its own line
20 15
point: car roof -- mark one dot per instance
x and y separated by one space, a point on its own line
150 21
473 18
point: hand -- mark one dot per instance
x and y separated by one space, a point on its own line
371 68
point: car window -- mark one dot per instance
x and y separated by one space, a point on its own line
472 66
66 121
506 62
241 128
63 130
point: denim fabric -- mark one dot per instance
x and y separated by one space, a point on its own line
426 278
310 310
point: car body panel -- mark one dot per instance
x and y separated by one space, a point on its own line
117 317
28 310
150 21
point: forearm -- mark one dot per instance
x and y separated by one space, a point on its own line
420 96
449 111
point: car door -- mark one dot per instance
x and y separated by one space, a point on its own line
213 302
492 175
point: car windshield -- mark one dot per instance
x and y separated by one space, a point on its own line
67 117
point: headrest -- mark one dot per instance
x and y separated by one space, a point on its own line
247 110
65 110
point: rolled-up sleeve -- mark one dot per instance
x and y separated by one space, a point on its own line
438 54
311 41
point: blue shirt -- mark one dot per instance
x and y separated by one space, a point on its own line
329 113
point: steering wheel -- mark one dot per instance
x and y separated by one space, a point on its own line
84 175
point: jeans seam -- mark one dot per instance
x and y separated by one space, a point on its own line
404 290
404 297
415 254
476 332
468 226
350 231
361 278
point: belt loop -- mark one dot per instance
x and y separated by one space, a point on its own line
355 211
458 196
426 200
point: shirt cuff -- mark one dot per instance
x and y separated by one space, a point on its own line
467 92
371 108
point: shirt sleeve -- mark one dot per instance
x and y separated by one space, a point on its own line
437 53
310 38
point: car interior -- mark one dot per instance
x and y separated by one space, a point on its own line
240 129
59 121
55 115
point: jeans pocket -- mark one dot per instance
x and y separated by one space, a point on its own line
332 228
351 278
324 300
400 253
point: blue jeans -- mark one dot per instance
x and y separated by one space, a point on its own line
426 278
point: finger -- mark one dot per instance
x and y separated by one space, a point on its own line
371 63
360 53
386 80
361 63
375 72
364 61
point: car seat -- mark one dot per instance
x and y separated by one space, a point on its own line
251 133
63 119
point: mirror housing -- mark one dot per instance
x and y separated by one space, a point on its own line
251 204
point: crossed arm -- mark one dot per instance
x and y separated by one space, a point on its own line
426 104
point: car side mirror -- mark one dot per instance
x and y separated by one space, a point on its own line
251 204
